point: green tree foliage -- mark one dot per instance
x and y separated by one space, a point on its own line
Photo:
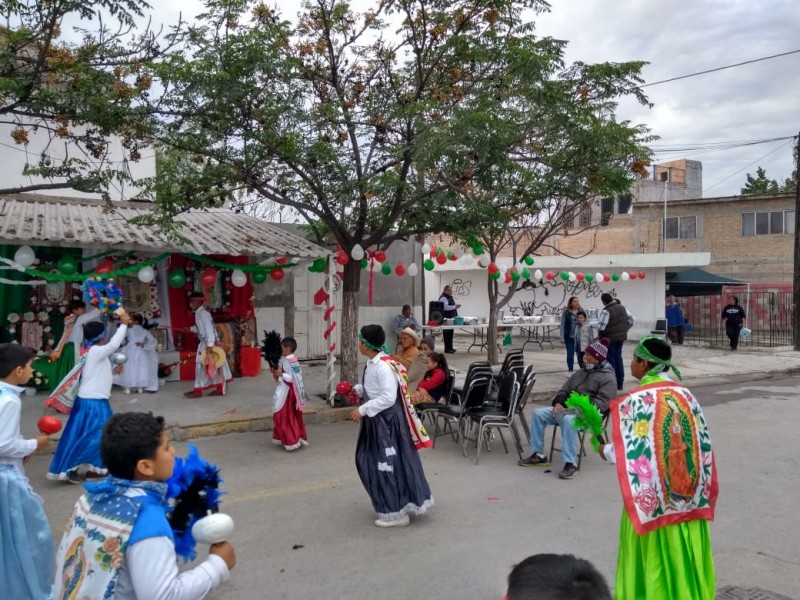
760 184
71 97
396 121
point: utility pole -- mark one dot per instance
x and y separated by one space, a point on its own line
796 295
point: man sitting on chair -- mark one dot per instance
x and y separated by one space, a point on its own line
597 380
405 320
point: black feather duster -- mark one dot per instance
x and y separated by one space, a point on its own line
271 348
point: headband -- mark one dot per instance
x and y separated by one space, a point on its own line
385 348
94 340
642 352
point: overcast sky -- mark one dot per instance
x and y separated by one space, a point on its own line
750 102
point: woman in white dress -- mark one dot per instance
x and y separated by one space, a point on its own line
141 369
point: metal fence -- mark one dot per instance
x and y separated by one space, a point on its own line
769 316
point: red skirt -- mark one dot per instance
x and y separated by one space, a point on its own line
289 428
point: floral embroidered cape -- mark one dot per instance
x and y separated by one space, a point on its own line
419 437
665 463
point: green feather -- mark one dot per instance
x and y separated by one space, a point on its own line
587 417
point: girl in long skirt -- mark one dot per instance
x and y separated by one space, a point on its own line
79 446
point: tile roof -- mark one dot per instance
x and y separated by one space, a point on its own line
39 220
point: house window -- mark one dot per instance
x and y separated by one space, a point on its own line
766 223
585 216
624 204
606 210
683 228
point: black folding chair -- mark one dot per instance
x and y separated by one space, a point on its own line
454 414
488 418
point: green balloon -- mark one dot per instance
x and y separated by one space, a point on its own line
514 276
614 277
428 264
364 263
526 274
386 268
177 278
564 276
68 265
495 275
258 276
528 260
589 277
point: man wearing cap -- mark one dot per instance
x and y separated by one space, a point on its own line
208 373
597 380
389 437
405 320
409 347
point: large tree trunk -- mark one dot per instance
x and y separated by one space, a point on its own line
351 285
491 334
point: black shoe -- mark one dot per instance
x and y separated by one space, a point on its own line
568 472
449 351
534 460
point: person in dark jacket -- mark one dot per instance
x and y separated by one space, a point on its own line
613 323
733 316
675 321
450 312
596 380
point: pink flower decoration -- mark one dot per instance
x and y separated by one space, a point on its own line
625 409
641 466
647 500
649 399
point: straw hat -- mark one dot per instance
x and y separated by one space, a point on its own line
217 354
410 332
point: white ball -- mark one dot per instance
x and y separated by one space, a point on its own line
426 248
598 277
212 529
484 261
538 274
625 276
24 256
412 270
238 278
572 276
357 253
146 274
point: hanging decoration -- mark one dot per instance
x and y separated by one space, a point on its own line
24 256
277 274
177 278
412 270
146 274
68 265
258 276
103 293
106 266
357 253
400 270
208 278
238 278
386 268
428 264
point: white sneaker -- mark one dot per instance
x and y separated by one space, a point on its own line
401 522
127 391
141 390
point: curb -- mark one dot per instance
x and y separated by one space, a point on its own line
318 416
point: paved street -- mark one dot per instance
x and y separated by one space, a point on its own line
304 523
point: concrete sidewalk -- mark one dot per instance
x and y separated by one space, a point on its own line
247 407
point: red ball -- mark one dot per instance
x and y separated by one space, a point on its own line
380 256
49 425
400 270
632 275
342 258
550 275
276 274
281 260
641 274
493 268
208 278
441 258
343 388
580 276
606 277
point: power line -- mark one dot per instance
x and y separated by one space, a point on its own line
748 166
747 62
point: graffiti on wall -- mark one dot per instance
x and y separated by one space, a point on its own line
550 297
460 287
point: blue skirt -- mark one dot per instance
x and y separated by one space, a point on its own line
80 441
26 545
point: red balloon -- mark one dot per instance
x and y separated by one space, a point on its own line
400 270
276 274
281 260
380 256
208 278
493 268
508 277
105 266
606 277
632 275
580 276
341 258
343 388
641 274
441 258
452 256
49 425
434 251
550 275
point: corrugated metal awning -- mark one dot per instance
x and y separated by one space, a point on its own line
38 220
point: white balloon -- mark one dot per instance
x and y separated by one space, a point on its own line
572 276
503 268
412 270
426 248
146 274
537 274
484 261
625 276
238 278
598 277
24 256
357 253
467 260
